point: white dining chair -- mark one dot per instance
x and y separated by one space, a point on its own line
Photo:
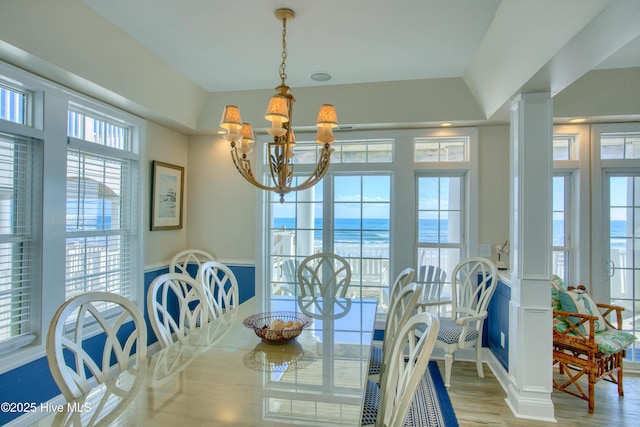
219 287
375 359
176 305
388 405
125 343
403 305
474 282
433 278
404 278
324 275
182 260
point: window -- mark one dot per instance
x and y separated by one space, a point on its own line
361 231
440 149
347 213
69 179
570 204
561 226
440 224
444 167
620 145
102 225
351 151
20 244
376 200
13 104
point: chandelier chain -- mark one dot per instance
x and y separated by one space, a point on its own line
283 64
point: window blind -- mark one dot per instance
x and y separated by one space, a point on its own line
20 217
101 224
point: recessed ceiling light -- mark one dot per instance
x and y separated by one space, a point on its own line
578 120
445 124
320 76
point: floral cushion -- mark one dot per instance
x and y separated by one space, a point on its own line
559 323
557 283
579 301
612 340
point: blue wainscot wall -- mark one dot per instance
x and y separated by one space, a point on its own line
496 330
33 382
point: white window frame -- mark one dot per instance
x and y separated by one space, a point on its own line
403 171
48 122
29 174
468 170
601 291
577 169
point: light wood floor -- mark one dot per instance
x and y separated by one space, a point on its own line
480 402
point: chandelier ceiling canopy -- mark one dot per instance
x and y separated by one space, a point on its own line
280 149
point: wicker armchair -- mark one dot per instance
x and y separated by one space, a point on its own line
583 348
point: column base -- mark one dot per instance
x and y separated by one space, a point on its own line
531 405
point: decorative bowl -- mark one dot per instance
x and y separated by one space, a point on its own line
278 327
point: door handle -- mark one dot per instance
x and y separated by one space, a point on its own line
612 268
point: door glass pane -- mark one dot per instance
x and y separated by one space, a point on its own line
359 232
295 231
362 232
440 231
624 251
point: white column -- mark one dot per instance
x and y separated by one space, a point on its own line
530 317
305 221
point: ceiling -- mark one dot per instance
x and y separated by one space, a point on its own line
236 45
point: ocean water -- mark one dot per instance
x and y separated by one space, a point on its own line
375 231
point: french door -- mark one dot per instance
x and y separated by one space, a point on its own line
347 214
623 231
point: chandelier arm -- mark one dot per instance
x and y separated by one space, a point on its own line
244 168
318 172
278 165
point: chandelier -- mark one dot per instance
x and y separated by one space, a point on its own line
280 149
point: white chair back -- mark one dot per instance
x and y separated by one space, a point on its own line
324 275
219 287
406 366
181 261
433 278
402 280
176 305
474 281
113 314
403 307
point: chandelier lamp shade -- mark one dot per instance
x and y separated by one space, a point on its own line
280 148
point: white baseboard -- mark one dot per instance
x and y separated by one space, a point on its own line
502 375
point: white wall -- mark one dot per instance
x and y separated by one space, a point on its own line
222 214
169 147
493 149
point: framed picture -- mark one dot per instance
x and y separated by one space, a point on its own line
167 183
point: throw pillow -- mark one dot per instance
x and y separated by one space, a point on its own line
579 301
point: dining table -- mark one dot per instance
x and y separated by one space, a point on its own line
223 374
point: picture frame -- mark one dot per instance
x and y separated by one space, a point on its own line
167 185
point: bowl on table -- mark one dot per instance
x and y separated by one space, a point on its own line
278 327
